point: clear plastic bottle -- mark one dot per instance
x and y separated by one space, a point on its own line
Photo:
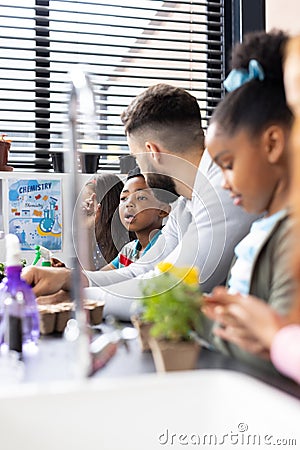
19 326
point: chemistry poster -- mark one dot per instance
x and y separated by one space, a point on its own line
35 212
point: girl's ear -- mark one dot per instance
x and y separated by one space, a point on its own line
275 143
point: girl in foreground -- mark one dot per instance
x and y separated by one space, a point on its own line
248 137
248 322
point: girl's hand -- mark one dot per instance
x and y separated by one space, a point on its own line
245 321
89 208
89 205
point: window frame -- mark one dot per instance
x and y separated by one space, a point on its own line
239 16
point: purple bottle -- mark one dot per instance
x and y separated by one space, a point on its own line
19 326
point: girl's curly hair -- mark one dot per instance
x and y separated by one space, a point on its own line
257 104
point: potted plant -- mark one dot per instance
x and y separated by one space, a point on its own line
172 304
143 329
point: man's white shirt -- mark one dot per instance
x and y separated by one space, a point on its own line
200 232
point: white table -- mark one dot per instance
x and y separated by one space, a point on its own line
149 412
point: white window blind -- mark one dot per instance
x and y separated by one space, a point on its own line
126 46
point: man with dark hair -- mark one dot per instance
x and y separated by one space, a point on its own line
164 133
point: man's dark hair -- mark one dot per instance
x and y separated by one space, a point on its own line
163 106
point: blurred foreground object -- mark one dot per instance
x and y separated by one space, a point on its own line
292 90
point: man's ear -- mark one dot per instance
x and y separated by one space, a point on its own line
275 142
154 150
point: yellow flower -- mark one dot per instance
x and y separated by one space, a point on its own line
189 275
164 266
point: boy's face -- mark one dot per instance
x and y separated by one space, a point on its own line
248 174
139 209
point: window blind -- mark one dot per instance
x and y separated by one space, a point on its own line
125 47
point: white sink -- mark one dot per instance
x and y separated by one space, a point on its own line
149 412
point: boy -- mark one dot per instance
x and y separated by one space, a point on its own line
141 212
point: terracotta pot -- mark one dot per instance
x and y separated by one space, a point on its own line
47 319
55 315
4 149
94 310
64 313
144 329
171 355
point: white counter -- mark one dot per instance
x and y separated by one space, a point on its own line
221 409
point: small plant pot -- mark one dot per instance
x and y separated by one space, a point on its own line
171 355
144 329
47 319
4 150
64 313
54 317
94 310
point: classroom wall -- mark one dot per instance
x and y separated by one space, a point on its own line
29 255
283 14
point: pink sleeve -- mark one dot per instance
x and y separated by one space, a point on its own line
285 351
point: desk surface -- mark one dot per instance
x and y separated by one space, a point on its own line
53 363
126 406
219 408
